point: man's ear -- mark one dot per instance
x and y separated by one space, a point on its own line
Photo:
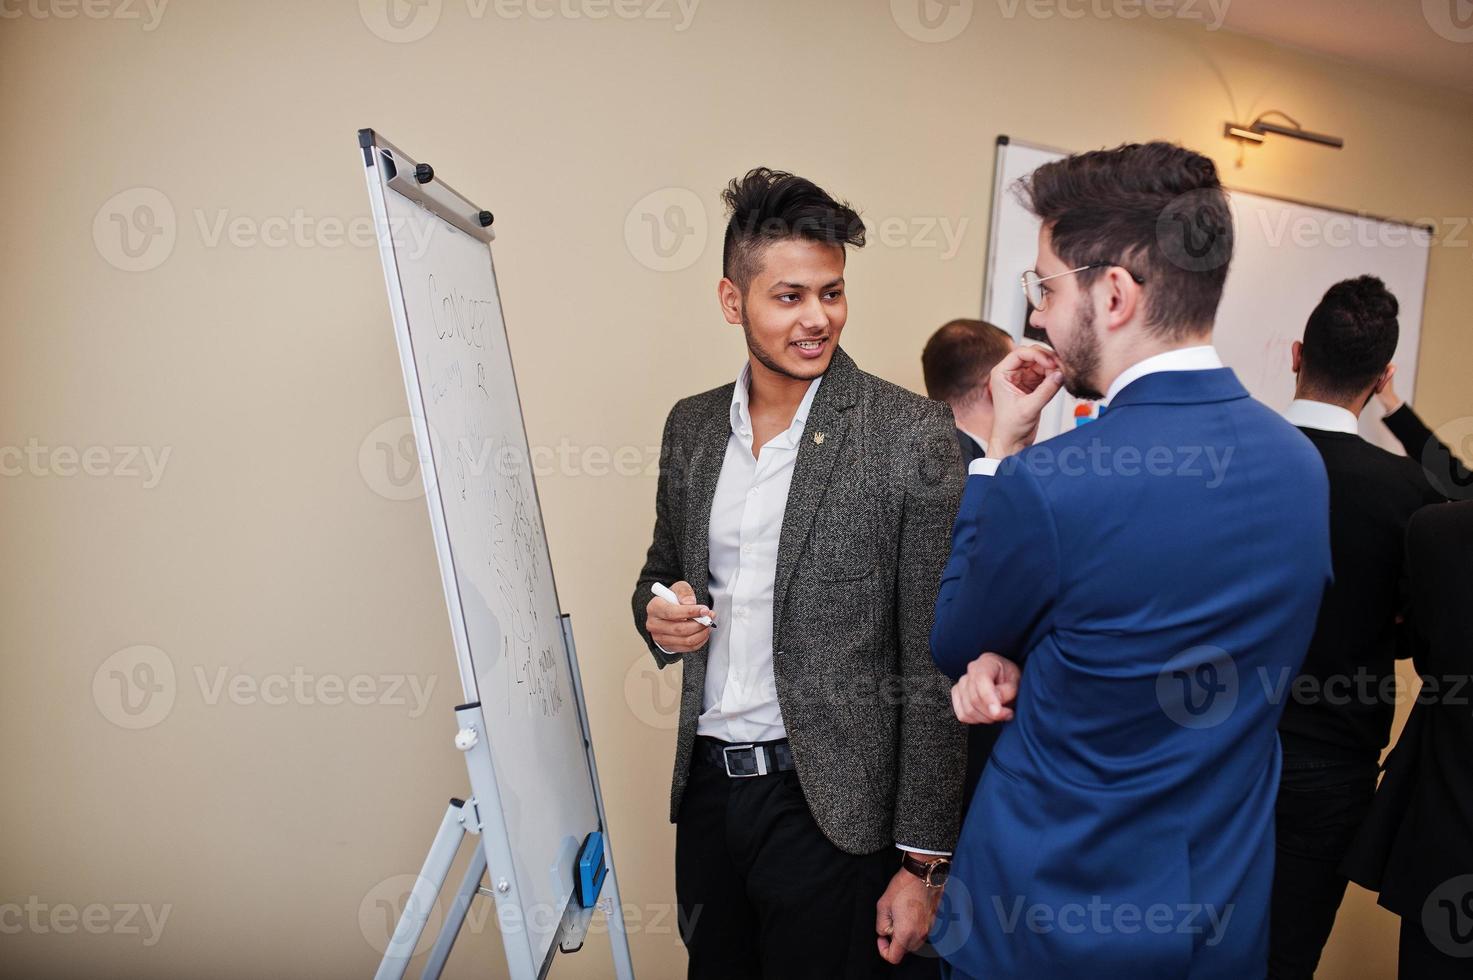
1122 299
1296 353
1385 378
730 298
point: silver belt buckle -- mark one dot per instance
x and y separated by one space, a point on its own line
757 754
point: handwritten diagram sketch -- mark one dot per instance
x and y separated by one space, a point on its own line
489 482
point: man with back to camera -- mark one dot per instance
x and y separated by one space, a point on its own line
1113 594
805 511
1416 850
1338 712
956 364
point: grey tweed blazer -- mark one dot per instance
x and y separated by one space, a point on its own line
865 535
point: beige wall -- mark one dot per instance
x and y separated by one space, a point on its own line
264 549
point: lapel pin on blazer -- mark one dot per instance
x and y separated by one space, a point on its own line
818 438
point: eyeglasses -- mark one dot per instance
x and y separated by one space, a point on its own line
1037 294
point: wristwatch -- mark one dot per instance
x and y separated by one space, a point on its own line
933 872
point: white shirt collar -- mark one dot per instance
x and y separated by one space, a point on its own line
1310 414
975 438
1201 358
741 416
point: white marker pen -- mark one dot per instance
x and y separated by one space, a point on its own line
671 597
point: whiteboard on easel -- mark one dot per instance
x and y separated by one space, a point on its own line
1285 256
493 555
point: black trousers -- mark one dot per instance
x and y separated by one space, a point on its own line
764 894
1323 800
1418 959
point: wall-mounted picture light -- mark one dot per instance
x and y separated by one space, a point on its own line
1258 130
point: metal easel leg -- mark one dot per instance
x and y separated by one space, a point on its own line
608 902
613 910
469 885
422 898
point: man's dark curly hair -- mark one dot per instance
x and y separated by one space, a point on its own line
769 206
1350 338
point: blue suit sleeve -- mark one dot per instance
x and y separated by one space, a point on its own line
1003 574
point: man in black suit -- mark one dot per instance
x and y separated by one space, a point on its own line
1419 854
956 363
1339 709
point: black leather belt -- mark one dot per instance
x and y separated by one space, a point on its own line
741 760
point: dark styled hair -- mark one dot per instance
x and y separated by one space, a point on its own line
1350 337
1156 209
769 206
958 358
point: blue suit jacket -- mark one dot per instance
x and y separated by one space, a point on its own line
1157 575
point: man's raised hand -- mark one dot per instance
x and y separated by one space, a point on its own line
1022 384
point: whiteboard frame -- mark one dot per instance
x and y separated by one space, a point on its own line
438 198
376 154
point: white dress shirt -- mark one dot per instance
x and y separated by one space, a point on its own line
1309 414
1200 358
740 702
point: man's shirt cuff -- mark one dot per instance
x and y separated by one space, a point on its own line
983 467
922 850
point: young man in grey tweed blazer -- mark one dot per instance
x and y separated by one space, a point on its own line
805 510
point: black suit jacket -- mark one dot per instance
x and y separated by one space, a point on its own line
970 449
980 738
1424 806
1373 493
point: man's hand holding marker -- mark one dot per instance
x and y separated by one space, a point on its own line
676 621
